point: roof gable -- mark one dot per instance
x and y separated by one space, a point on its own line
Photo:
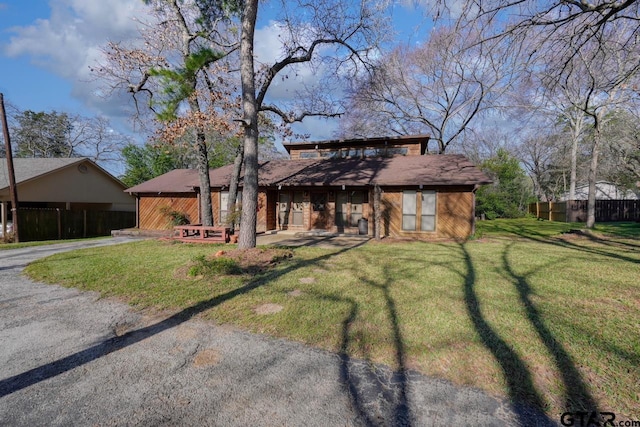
28 169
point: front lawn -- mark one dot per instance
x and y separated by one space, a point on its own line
529 314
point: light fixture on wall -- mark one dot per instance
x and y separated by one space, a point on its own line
421 186
342 187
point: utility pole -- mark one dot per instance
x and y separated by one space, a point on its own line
12 175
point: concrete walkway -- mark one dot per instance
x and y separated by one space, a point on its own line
70 358
317 239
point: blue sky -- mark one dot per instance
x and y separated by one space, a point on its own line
46 47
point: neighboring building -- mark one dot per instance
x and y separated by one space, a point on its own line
604 191
331 186
63 183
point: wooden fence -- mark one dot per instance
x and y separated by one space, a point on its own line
56 224
576 210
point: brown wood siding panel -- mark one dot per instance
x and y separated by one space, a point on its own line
391 205
151 207
261 225
215 208
412 149
272 208
454 214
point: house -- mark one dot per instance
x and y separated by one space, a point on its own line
604 191
64 183
336 186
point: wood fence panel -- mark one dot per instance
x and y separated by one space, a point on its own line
576 210
53 224
38 224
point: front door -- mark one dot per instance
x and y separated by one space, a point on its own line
319 214
284 210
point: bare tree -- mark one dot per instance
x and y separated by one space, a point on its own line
338 33
56 134
437 88
593 42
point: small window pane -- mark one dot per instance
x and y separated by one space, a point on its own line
409 210
408 222
428 223
409 202
428 203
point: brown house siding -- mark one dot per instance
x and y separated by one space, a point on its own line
454 214
296 154
152 206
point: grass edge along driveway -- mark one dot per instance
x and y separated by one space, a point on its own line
539 317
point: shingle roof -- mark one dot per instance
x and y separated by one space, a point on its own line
27 169
434 170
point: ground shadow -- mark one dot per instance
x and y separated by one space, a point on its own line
515 372
367 385
565 241
52 369
577 396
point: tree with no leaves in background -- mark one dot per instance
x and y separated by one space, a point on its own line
593 42
56 134
438 88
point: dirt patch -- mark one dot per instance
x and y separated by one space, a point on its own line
268 308
295 293
307 280
255 260
206 357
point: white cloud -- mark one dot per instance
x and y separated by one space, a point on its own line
69 40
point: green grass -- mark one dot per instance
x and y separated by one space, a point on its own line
6 246
537 316
532 228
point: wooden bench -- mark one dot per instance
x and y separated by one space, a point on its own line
198 233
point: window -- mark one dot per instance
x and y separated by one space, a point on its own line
397 151
284 207
224 200
341 208
357 199
318 201
409 210
428 218
427 210
309 155
297 209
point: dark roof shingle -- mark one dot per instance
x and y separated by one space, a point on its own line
433 170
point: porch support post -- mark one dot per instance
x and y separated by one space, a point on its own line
3 218
377 215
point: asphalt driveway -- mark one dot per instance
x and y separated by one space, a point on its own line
70 358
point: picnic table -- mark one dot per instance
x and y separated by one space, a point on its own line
199 233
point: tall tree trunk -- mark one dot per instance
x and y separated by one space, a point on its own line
233 187
593 169
577 130
202 166
206 211
247 238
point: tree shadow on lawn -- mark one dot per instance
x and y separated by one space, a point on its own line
36 375
519 379
577 395
568 241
